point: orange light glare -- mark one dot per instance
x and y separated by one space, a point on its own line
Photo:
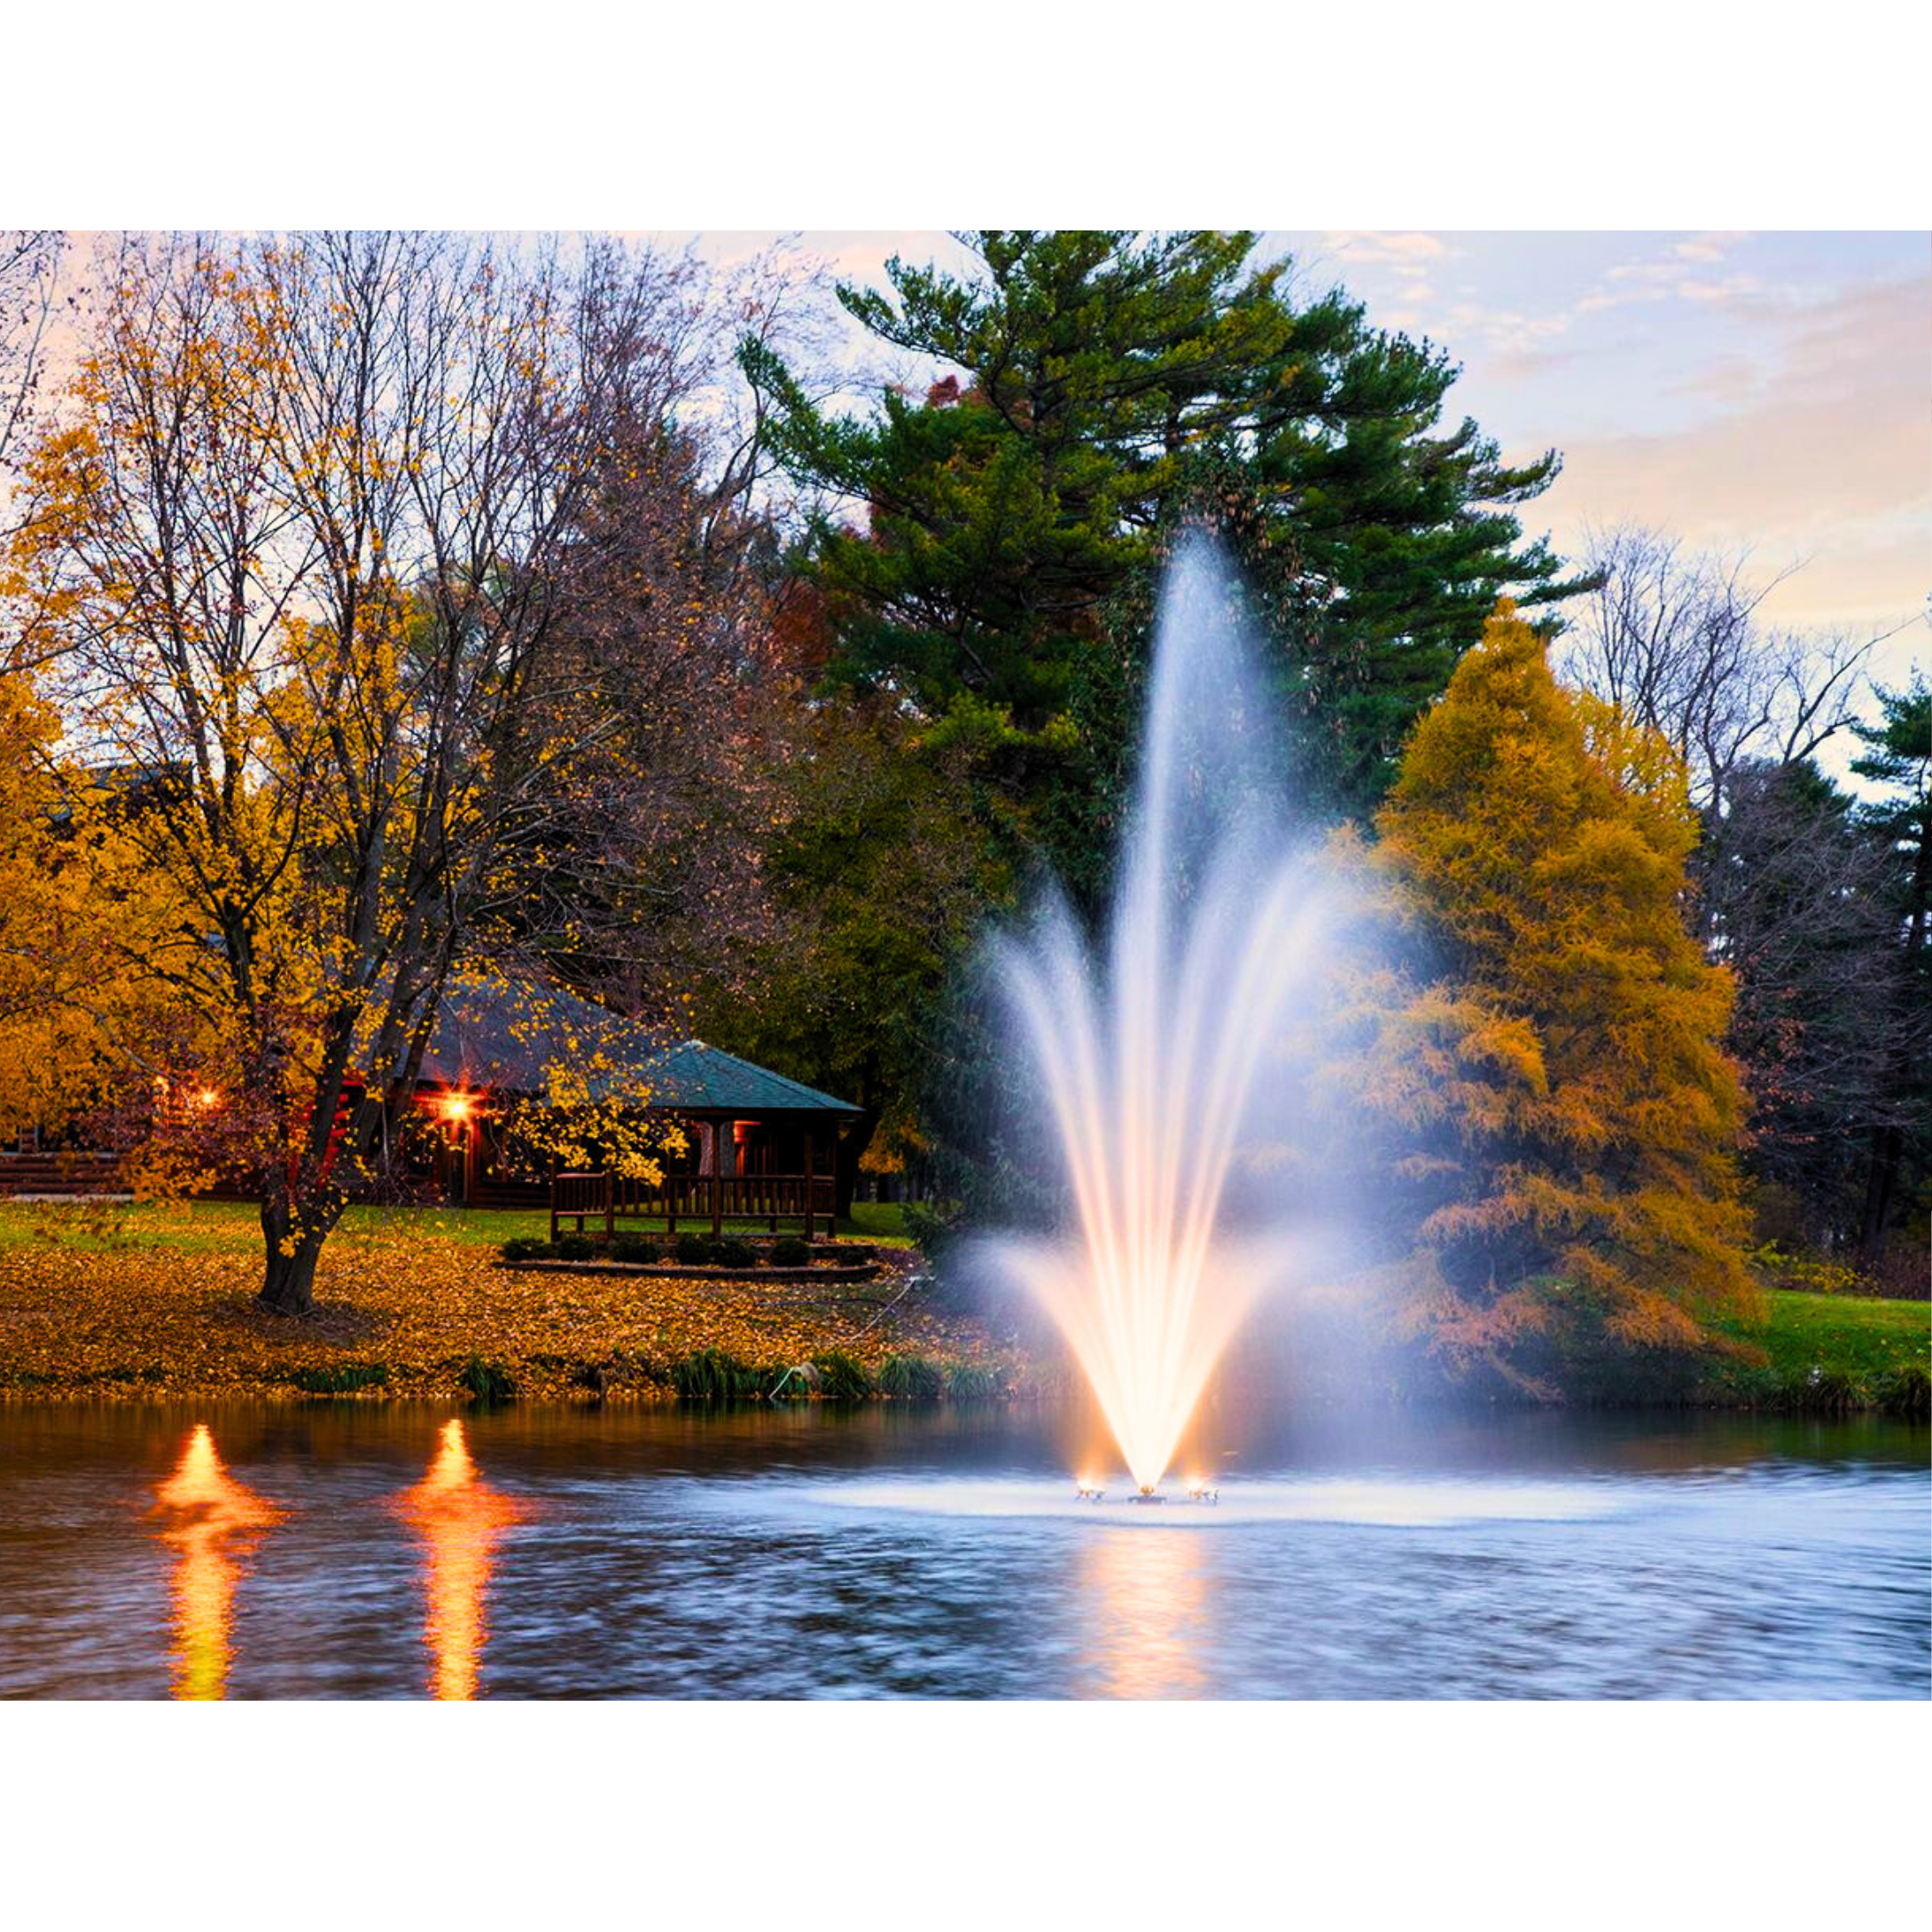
459 1518
213 1524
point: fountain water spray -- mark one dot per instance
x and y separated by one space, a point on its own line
1160 1051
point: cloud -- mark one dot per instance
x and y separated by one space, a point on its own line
1388 247
1823 451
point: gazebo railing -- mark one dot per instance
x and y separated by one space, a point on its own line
803 1200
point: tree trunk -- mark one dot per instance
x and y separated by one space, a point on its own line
288 1277
1881 1183
849 1146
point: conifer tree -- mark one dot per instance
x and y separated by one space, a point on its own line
1096 386
1898 758
1566 1116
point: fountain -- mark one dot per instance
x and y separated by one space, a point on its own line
1162 1050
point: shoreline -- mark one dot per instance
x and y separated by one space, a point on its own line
419 1315
162 1307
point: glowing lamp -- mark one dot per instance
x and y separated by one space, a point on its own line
456 1107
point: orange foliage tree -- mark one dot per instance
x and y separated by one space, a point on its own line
94 947
359 552
1545 1058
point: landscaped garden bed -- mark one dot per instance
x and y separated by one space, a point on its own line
785 1257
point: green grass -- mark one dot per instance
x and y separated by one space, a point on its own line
880 1221
1857 1335
234 1227
1835 1353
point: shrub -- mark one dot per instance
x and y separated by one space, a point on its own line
576 1248
912 1378
1829 1392
712 1375
731 1253
932 1231
694 1251
486 1381
524 1248
842 1377
789 1252
344 1379
971 1381
1907 1393
633 1253
1808 1274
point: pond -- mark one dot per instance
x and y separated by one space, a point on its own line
350 1550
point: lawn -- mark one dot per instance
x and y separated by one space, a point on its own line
234 1227
1835 1352
1856 1333
139 1303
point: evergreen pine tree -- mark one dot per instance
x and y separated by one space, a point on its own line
1097 388
1898 757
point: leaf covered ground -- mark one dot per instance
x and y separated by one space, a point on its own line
137 1306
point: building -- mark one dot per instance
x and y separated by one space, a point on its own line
760 1147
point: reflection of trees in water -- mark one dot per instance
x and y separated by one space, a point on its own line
1145 1592
458 1517
214 1525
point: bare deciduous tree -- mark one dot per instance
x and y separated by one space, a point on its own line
1676 638
29 283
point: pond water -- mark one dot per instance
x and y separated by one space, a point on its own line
396 1551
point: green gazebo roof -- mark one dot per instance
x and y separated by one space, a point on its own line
492 1033
701 1078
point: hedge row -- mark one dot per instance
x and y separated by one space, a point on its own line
687 1251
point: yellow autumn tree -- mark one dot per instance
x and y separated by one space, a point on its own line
93 947
1549 1060
350 546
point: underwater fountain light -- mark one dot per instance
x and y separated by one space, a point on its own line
1088 1493
1200 1492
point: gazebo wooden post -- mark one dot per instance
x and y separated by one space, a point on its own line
610 1205
811 1185
717 1176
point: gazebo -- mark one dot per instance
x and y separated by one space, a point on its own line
760 1148
763 1149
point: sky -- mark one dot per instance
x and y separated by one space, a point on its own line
1764 391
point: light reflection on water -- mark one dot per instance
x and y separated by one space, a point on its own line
1147 1596
213 1524
326 1550
459 1518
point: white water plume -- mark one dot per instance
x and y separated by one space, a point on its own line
1161 1052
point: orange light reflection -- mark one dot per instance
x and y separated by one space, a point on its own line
215 1523
1150 1598
458 1517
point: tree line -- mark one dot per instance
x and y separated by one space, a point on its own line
381 608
